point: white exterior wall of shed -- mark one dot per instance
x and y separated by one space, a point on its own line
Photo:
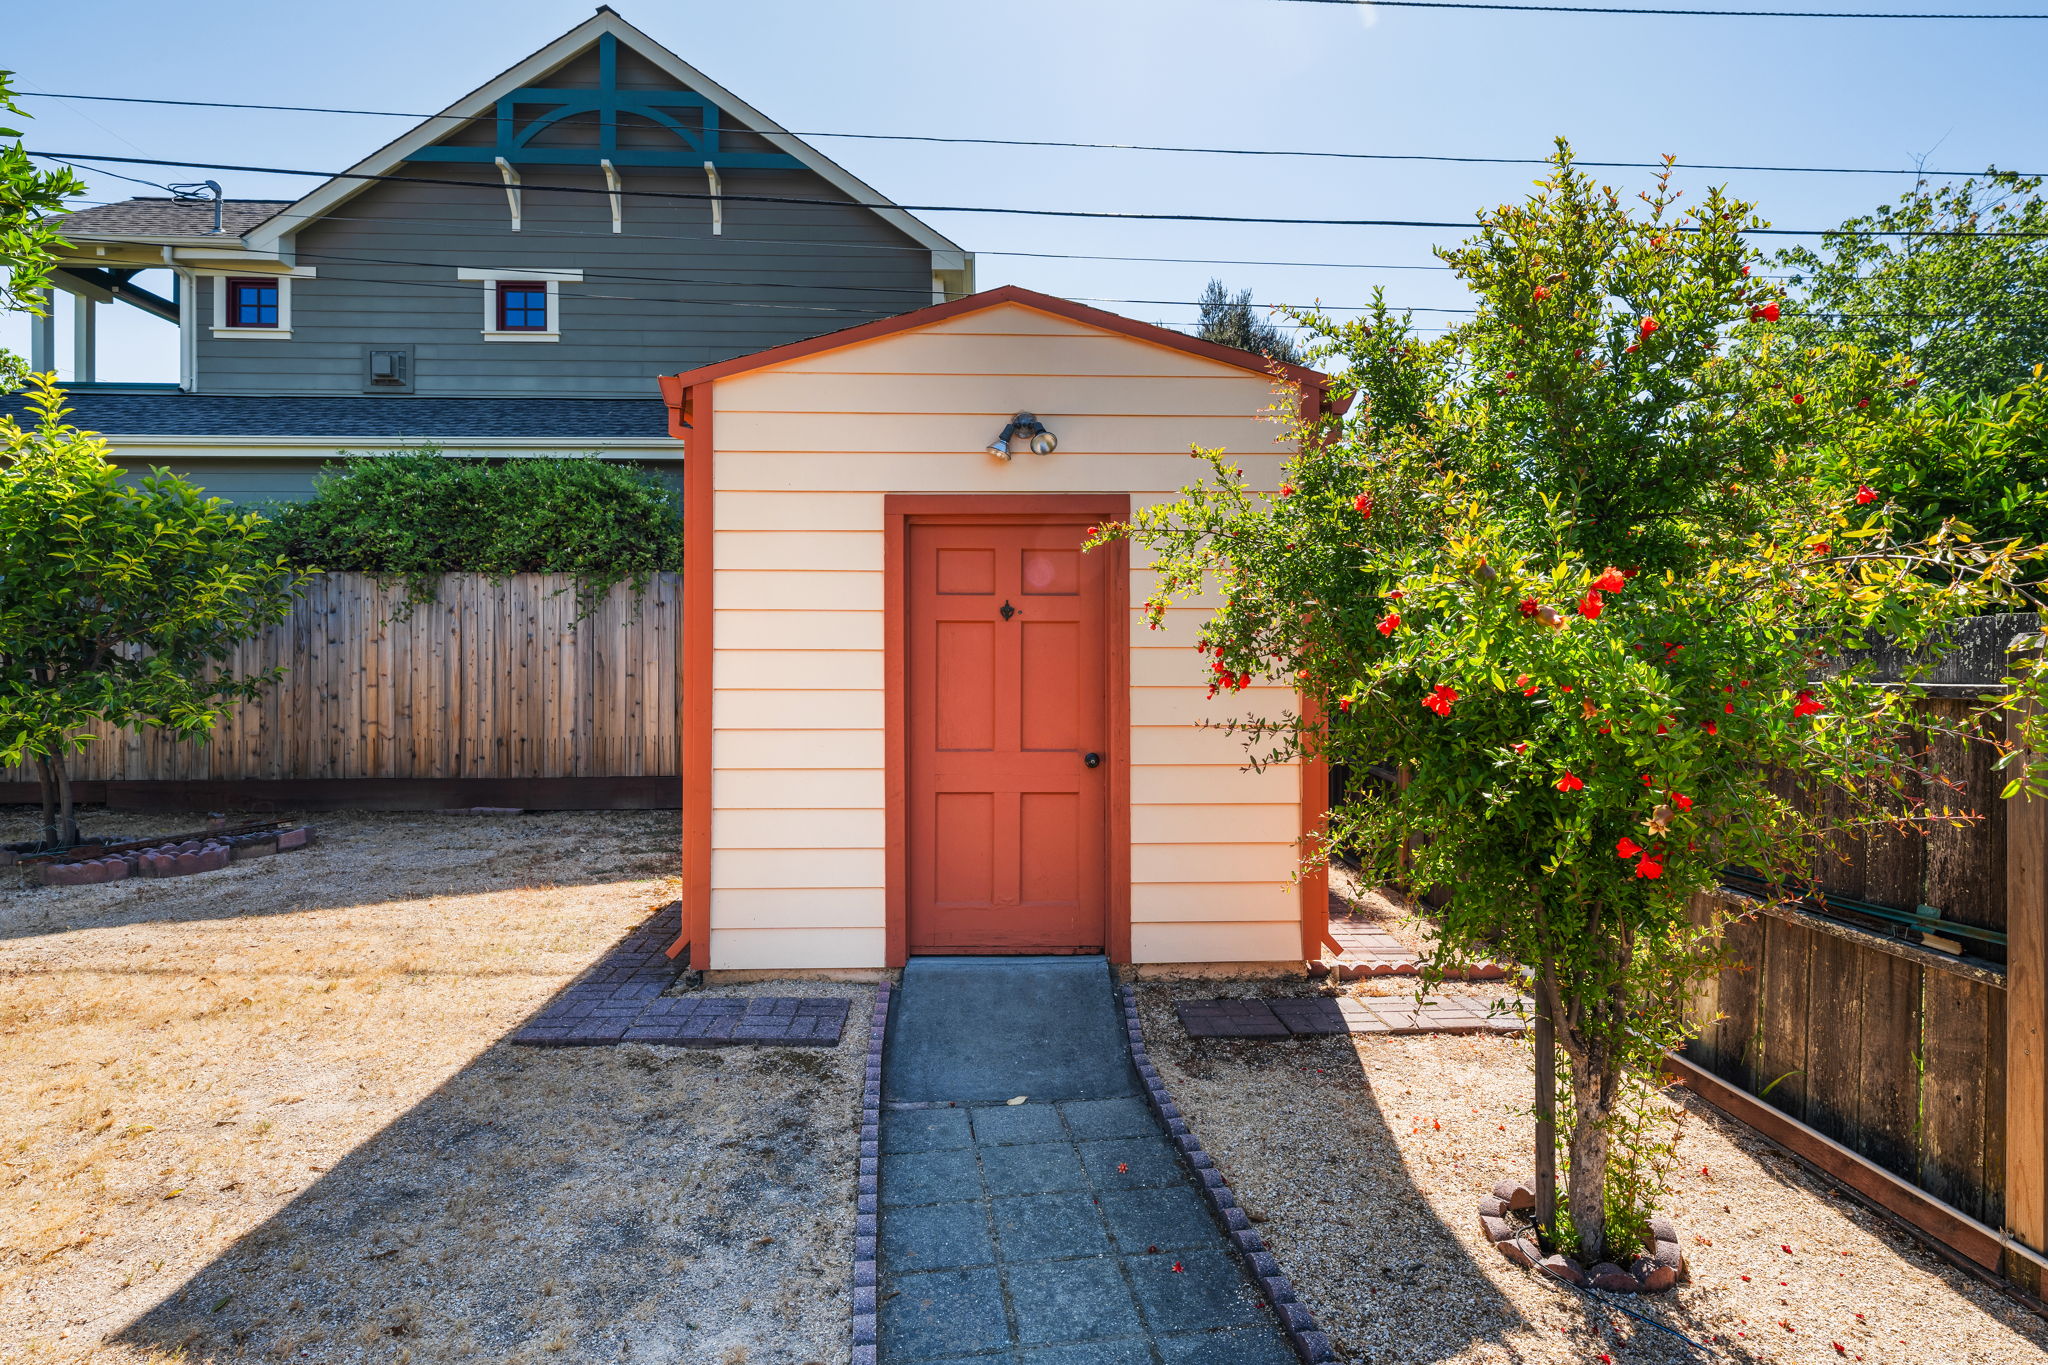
806 452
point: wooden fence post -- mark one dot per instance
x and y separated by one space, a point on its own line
2026 1028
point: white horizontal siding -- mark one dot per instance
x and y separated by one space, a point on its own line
807 451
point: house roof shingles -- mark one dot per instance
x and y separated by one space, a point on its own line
369 418
159 216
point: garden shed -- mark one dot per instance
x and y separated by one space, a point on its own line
918 718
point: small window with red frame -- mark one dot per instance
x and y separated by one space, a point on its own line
522 306
251 303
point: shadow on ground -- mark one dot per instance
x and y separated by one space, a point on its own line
356 858
1312 1154
615 1204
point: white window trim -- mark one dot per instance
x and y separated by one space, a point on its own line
283 330
553 279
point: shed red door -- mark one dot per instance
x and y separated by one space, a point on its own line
1007 835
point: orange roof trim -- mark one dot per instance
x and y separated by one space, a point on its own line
674 386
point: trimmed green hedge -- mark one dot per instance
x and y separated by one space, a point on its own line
419 514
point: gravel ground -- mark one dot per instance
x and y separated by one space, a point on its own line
1364 1158
266 1113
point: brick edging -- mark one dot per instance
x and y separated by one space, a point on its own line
1307 1339
868 1191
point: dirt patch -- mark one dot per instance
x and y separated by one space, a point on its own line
1362 1161
268 1113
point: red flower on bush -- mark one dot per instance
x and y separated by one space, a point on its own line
1527 606
1628 848
1798 398
1521 748
1865 493
1569 783
1542 292
1681 800
1806 706
1528 688
1590 606
1727 708
1286 490
1344 704
1611 581
1362 504
1390 623
1649 326
1439 700
1649 867
1710 727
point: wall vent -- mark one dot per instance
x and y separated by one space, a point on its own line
387 369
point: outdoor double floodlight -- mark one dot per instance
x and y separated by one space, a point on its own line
1043 442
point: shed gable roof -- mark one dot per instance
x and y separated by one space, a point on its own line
1309 381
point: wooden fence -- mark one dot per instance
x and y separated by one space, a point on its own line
1892 1045
493 681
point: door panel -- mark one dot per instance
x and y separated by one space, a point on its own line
1007 829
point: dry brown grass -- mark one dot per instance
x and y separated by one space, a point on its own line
267 1112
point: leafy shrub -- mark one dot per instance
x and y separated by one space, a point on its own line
419 514
1980 460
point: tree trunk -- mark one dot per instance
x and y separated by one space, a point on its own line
1596 1082
67 814
46 782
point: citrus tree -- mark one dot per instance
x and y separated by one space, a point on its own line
120 604
1570 570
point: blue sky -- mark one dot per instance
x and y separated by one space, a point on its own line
1241 73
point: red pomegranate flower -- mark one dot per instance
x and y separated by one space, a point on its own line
1865 493
1542 292
1806 706
1649 326
1611 581
1590 605
1770 311
1649 867
1710 727
1521 748
1627 847
1798 398
1344 704
1439 700
1527 606
1362 504
1286 490
1569 783
1681 800
1390 623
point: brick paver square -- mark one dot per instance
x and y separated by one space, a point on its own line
1090 1120
1038 1168
1128 1351
942 1314
925 1130
1013 1123
1170 1218
1234 1346
930 1177
1071 1301
938 1236
1229 1019
1043 1227
1315 1015
1132 1163
1209 1290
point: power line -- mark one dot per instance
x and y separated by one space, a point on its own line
1680 13
786 199
1096 146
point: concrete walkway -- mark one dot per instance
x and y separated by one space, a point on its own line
1063 1230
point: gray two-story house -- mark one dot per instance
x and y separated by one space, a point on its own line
508 277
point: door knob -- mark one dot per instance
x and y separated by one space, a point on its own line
1092 760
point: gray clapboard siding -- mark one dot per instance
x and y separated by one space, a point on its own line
386 263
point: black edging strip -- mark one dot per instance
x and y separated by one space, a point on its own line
869 1188
1307 1339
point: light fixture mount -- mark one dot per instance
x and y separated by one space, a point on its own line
1043 442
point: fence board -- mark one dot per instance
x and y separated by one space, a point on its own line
490 680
